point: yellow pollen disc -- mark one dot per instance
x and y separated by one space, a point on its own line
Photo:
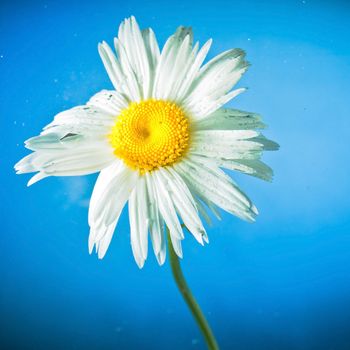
150 134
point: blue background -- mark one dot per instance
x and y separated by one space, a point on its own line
281 283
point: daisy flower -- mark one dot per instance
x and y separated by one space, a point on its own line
160 141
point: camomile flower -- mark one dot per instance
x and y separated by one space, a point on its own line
160 141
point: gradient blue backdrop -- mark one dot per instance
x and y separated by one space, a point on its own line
281 283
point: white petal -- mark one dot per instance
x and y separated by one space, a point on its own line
217 187
83 118
156 231
184 203
111 65
226 144
156 223
134 230
253 167
166 206
152 47
233 149
142 214
171 61
176 245
223 136
67 162
192 71
129 77
138 48
115 72
104 180
132 57
111 196
37 177
74 143
230 119
153 54
180 63
111 102
112 190
268 145
212 74
104 242
198 195
202 211
211 89
208 104
162 254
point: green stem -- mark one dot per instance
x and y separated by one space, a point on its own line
190 300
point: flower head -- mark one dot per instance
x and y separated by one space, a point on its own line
159 141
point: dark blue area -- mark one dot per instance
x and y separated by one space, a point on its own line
281 283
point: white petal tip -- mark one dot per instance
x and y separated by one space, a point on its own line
101 252
31 181
101 255
251 219
161 260
140 263
37 177
179 254
209 42
102 47
91 246
200 240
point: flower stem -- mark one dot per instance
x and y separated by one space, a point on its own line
190 300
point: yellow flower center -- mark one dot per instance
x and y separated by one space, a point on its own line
150 134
